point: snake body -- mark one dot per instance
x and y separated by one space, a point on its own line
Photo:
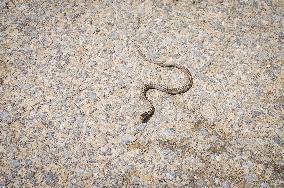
144 117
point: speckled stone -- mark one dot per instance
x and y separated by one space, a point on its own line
51 179
70 78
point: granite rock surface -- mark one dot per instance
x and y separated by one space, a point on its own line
70 79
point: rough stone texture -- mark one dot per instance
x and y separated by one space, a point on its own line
69 94
51 179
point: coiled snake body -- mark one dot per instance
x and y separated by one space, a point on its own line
144 117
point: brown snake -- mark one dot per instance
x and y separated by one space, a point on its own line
150 85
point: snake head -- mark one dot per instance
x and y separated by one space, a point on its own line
145 117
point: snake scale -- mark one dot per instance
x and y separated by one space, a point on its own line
144 117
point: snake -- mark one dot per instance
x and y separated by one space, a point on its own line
145 116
